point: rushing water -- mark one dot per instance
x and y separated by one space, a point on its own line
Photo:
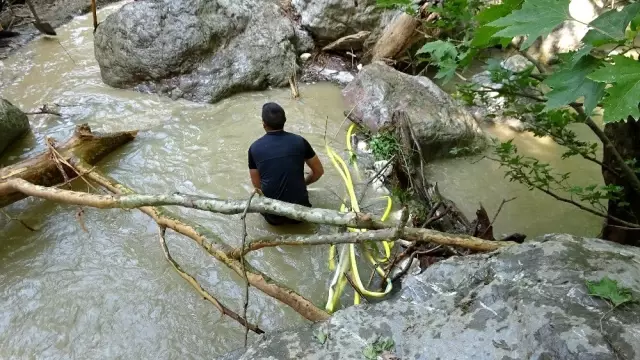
108 292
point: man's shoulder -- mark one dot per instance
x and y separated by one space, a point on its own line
258 141
295 137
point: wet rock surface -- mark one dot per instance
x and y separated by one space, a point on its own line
524 302
491 106
13 124
439 122
329 20
199 50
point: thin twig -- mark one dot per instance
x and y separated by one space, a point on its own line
355 288
535 62
44 109
496 215
18 220
242 261
486 89
372 179
344 121
205 294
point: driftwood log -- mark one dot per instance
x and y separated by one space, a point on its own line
51 167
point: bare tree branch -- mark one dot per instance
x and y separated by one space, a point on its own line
204 293
242 261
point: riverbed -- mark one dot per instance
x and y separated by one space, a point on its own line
94 283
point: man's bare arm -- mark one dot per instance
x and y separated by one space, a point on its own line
255 178
317 170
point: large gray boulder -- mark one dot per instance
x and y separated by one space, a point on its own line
524 302
13 124
440 123
329 20
200 50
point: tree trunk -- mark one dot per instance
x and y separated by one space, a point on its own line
45 170
625 136
396 38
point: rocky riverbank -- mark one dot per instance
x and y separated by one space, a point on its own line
525 302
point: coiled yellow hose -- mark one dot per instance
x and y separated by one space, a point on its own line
339 280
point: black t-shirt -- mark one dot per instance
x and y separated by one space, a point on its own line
279 157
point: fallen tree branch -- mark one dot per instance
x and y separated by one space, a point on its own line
216 248
43 170
411 234
221 206
204 293
44 109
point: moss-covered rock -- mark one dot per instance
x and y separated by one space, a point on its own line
439 122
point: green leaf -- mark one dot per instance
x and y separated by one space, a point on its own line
439 50
610 290
610 26
370 353
624 94
571 83
484 35
447 70
536 18
495 12
321 336
575 56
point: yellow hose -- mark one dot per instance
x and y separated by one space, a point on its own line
339 280
350 148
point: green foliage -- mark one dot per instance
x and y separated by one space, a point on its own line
485 36
624 76
383 146
536 18
611 26
379 346
403 196
546 101
320 336
535 174
407 6
445 54
571 82
455 16
610 291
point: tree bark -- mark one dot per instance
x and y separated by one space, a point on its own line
221 206
396 38
625 136
411 234
43 170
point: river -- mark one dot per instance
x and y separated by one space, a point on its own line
97 285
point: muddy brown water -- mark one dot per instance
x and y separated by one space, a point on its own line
108 292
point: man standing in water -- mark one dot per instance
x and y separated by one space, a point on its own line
276 163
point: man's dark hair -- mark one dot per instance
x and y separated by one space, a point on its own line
273 116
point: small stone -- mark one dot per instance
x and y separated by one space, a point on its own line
344 77
382 164
305 56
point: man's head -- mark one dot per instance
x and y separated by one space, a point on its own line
273 117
